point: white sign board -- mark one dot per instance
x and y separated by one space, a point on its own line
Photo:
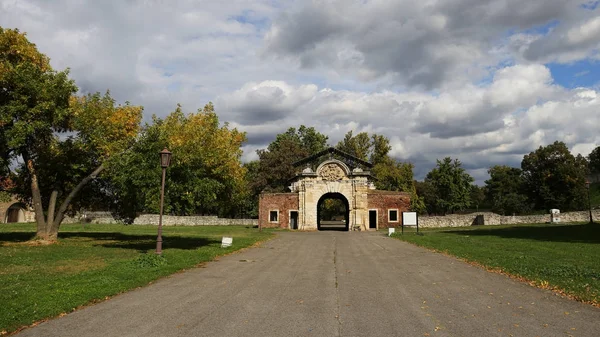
409 218
226 242
391 231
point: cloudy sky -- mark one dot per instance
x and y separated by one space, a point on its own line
485 81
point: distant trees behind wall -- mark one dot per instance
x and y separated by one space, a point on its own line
549 177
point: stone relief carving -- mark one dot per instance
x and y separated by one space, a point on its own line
332 172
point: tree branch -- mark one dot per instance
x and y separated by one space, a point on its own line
63 207
52 206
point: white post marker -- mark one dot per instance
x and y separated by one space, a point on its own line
226 241
391 231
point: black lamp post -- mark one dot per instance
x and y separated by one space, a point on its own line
588 185
165 160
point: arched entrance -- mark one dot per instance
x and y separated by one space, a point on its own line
333 212
15 213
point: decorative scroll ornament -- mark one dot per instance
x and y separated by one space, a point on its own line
332 172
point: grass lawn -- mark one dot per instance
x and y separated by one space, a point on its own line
92 262
563 257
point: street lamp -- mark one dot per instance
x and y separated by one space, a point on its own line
165 160
588 185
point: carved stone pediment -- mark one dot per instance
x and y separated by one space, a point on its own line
331 172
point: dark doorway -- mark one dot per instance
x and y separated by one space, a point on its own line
333 212
293 219
15 214
372 219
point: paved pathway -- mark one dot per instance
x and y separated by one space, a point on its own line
332 284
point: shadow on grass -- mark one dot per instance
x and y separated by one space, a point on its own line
142 243
16 236
586 233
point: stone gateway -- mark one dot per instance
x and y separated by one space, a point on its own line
345 180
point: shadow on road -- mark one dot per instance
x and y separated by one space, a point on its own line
585 233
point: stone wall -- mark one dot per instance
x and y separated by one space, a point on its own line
383 201
489 218
168 220
281 202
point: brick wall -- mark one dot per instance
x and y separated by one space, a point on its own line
382 201
283 202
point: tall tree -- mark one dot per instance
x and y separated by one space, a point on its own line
356 145
426 192
380 149
374 148
477 196
554 178
275 162
394 175
505 190
391 174
42 123
594 161
452 185
206 175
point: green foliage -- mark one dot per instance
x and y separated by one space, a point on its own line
380 147
594 160
99 261
554 178
595 195
477 196
393 175
332 209
4 196
205 176
249 204
358 145
275 162
452 186
505 191
374 149
61 138
34 100
417 203
426 192
562 256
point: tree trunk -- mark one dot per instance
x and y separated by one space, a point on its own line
54 224
37 202
51 209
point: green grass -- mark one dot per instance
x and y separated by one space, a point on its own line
93 262
562 257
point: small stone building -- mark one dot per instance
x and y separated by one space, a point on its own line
346 179
15 211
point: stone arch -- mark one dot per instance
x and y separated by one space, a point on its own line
15 213
346 202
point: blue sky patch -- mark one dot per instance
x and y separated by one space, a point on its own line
585 73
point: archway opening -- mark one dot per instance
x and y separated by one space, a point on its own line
333 212
15 213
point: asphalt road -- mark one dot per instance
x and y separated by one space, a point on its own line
332 284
